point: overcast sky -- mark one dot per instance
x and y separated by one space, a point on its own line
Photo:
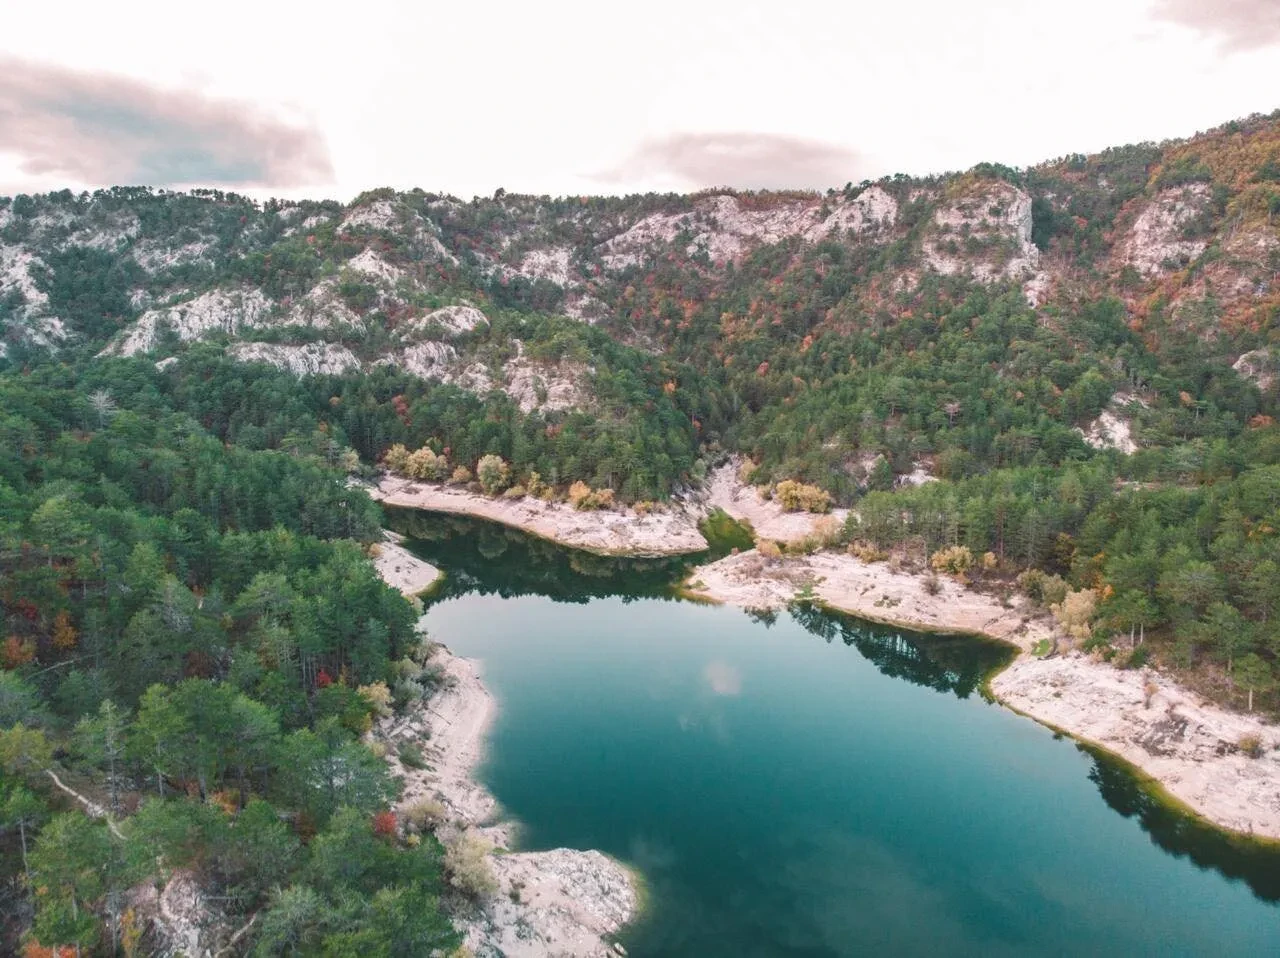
324 100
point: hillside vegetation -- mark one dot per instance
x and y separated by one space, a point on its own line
1070 367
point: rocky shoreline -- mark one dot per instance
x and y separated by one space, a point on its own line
673 531
400 568
560 902
1190 747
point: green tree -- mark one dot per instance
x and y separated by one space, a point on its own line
1254 674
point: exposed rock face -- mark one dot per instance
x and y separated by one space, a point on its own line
156 256
390 215
985 233
723 229
372 265
17 283
1156 243
1257 366
1113 428
454 320
1109 431
378 215
542 387
308 359
426 360
220 310
549 264
322 308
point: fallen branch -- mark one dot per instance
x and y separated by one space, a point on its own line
231 942
92 808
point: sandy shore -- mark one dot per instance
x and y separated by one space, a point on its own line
1189 746
609 531
560 902
400 568
870 590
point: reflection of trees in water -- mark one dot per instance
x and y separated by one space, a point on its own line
959 663
948 663
494 559
1184 835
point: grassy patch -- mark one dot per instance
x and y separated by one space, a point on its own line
725 533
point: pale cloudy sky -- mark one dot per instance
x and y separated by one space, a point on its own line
565 97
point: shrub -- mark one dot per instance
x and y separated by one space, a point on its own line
466 861
1251 745
932 585
866 551
797 497
461 476
425 464
1075 614
378 696
989 562
493 473
1048 590
397 458
411 756
953 560
583 497
1137 658
423 815
768 548
384 824
516 492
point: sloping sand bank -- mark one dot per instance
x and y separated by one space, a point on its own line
400 568
1189 746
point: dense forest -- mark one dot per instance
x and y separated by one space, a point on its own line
195 634
1067 368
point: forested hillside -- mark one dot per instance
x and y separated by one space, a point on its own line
1070 367
195 636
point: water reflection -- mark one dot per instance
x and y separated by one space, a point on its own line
947 663
1183 835
491 559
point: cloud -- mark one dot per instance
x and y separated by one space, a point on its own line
723 678
1235 24
741 160
103 129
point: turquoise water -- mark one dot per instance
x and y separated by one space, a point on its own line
814 786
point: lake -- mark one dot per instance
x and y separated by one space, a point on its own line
807 784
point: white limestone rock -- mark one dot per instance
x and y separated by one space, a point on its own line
308 359
218 310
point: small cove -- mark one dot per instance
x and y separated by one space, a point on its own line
808 784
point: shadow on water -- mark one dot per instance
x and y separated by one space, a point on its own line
1128 792
945 663
491 559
